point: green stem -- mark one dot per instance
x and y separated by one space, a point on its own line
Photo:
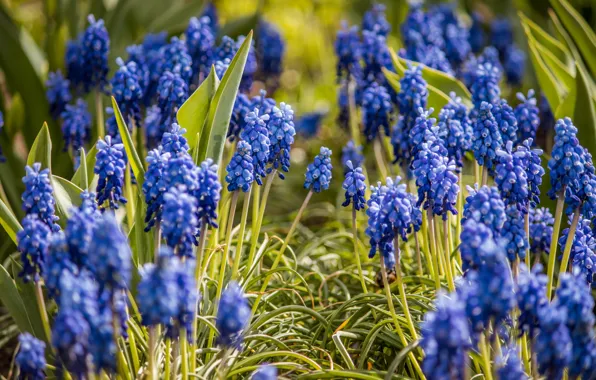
429 258
83 166
448 266
99 114
130 206
569 243
200 253
433 245
133 349
418 257
183 354
553 244
401 289
525 354
152 352
460 207
484 175
527 229
282 250
485 352
356 253
243 219
379 158
41 304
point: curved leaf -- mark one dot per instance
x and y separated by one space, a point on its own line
131 152
584 116
41 150
12 301
9 222
77 178
67 195
557 48
548 84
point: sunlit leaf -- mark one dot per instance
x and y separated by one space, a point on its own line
129 146
41 150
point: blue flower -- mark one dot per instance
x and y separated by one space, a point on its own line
351 152
31 358
348 50
477 36
138 55
457 47
509 365
221 67
76 125
584 243
435 58
110 166
179 170
57 92
240 168
455 135
237 122
485 87
473 236
398 215
530 160
111 258
281 136
79 229
547 119
514 65
376 110
58 260
374 20
552 345
175 59
270 49
420 29
514 234
487 137
309 124
501 35
485 205
318 173
152 186
127 90
38 198
511 178
95 48
567 158
226 49
445 339
541 230
152 44
505 118
179 221
527 117
200 41
174 142
256 134
73 60
207 193
153 127
213 20
33 244
263 103
172 92
531 297
425 131
581 194
233 315
355 186
375 55
265 372
188 298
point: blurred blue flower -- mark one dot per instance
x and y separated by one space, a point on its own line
477 36
281 136
541 230
58 260
73 60
265 372
501 36
31 358
175 59
531 297
153 188
207 193
179 221
435 58
94 51
376 111
200 41
514 234
375 55
110 166
76 126
527 117
227 48
318 173
233 315
153 127
221 67
79 228
552 343
374 20
127 90
351 152
509 364
308 124
237 122
33 245
57 93
240 168
355 186
38 197
172 92
473 236
348 50
511 178
514 65
270 49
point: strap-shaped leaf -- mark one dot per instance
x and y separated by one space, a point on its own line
77 178
129 146
557 48
41 150
12 301
584 116
554 94
9 222
67 195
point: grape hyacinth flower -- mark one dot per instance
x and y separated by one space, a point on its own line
95 48
509 365
210 11
318 173
567 159
175 59
200 41
584 242
174 142
485 87
375 229
471 248
435 58
58 261
111 258
580 195
256 134
172 92
530 159
179 170
351 152
487 137
153 188
33 245
552 343
233 314
73 62
445 338
110 166
505 118
454 136
485 205
221 67
514 65
240 168
349 52
354 186
265 372
138 56
374 20
226 49
476 35
541 230
375 55
207 193
57 93
511 178
250 68
152 125
425 130
281 136
514 234
270 49
457 47
179 221
376 110
501 35
127 90
76 125
530 292
31 358
79 228
38 196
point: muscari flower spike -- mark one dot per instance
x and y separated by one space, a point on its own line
527 115
487 137
501 36
233 314
505 118
445 338
376 110
79 228
127 90
583 248
351 152
514 65
270 49
485 205
200 41
514 233
174 142
375 229
73 62
567 158
33 245
511 178
240 168
485 87
57 92
58 261
454 136
76 125
137 54
38 196
95 48
473 236
541 230
110 166
226 49
31 358
552 343
355 186
457 46
172 92
375 55
374 20
179 221
153 185
265 372
435 58
509 365
281 136
530 292
348 51
221 67
175 59
530 160
179 170
208 193
318 173
477 36
308 124
256 134
581 194
152 125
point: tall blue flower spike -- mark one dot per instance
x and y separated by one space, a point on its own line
153 56
188 297
241 108
270 49
485 205
208 193
435 58
445 338
530 159
138 55
174 142
221 67
374 20
566 164
233 315
351 152
31 358
553 342
58 261
583 248
210 11
256 134
57 93
527 115
153 188
172 92
79 229
73 61
76 125
375 228
355 186
281 136
179 170
473 236
33 245
110 166
514 234
265 372
530 292
514 65
95 48
179 222
509 364
581 193
477 36
111 258
152 126
505 118
511 178
376 111
541 230
226 49
240 169
127 90
454 136
348 50
485 87
200 41
375 56
38 196
487 137
318 173
175 59
501 36
457 47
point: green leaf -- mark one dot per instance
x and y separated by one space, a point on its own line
143 241
564 77
437 99
9 222
553 45
27 293
12 301
41 150
77 178
193 114
131 152
67 195
175 19
548 84
582 33
584 117
220 110
239 26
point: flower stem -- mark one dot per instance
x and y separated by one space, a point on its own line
99 114
418 258
282 250
183 354
379 158
446 251
401 288
152 352
485 352
356 253
484 175
238 256
569 243
433 251
553 243
460 207
41 304
167 359
527 229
